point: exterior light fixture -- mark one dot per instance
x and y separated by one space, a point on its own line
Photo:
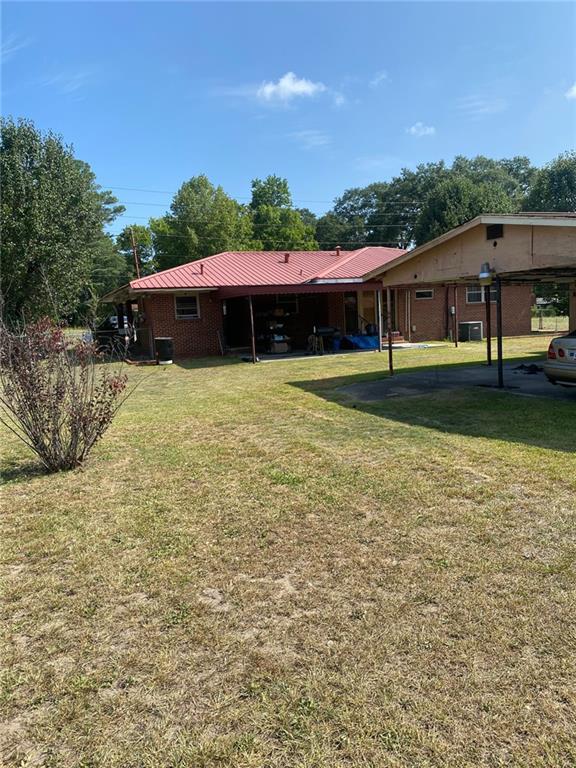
486 274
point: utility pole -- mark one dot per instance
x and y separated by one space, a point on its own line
135 252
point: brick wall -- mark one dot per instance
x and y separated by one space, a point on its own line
192 337
429 315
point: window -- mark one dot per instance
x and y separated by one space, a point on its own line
475 294
288 302
494 231
187 307
427 293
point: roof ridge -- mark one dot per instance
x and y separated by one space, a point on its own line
338 263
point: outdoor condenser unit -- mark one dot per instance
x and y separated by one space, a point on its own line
470 331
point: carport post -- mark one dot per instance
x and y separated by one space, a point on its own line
499 332
389 330
456 328
379 318
487 303
252 334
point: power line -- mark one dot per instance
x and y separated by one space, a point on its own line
162 205
214 221
242 197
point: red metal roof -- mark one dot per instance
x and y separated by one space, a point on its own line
356 264
257 268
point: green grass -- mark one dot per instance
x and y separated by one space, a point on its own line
551 324
250 571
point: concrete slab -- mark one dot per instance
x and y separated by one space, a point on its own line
519 380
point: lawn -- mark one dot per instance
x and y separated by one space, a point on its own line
252 572
556 324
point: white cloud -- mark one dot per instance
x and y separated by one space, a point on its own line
571 92
378 79
311 138
419 129
480 106
65 82
287 88
11 45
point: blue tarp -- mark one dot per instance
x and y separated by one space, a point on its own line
362 342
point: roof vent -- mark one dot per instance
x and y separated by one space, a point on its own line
201 268
286 258
338 250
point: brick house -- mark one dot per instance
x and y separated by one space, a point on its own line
273 301
425 313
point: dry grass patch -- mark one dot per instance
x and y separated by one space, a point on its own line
250 572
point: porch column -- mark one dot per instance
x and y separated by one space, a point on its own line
379 318
488 305
389 330
572 307
499 332
130 319
456 329
408 302
252 333
129 313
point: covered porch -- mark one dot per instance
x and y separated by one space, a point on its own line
279 320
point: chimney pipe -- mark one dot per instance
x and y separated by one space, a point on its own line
337 250
201 268
286 258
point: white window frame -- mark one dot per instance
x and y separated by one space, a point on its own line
187 296
424 290
481 289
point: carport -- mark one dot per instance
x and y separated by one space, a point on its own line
492 250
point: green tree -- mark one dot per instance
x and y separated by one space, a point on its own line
282 228
513 176
307 217
348 222
51 223
276 225
331 231
203 220
455 201
143 240
273 190
554 188
396 211
109 270
389 213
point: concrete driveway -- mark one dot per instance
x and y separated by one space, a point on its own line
520 377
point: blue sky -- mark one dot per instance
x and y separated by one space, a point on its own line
330 95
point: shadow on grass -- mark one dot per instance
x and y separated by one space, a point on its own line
18 473
190 363
470 410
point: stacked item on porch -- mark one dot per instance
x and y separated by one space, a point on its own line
278 341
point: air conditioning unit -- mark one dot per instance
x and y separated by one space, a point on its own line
470 331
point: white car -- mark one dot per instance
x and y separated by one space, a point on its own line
560 367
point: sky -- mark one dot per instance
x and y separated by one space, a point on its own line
328 95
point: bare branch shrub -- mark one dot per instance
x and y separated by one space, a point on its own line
57 396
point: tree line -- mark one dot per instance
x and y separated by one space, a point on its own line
58 259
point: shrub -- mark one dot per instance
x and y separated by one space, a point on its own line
57 396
